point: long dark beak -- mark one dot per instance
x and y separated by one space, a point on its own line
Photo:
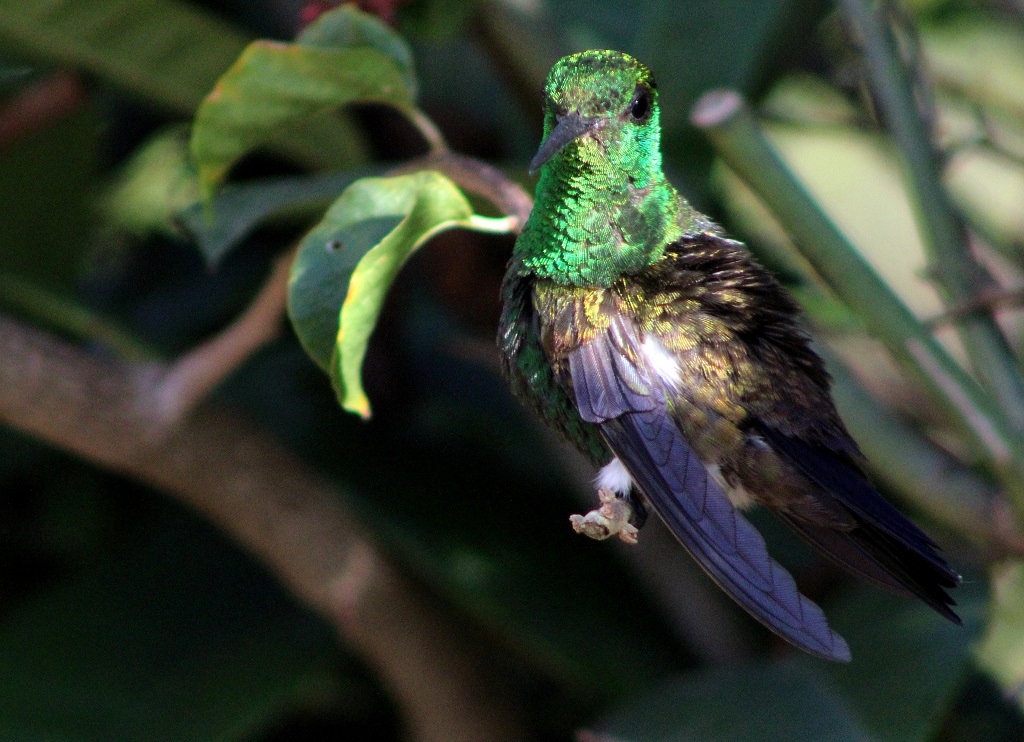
568 128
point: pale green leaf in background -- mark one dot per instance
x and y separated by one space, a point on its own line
908 663
156 182
793 702
1001 651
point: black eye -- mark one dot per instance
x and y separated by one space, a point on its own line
640 108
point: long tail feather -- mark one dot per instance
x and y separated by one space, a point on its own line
882 545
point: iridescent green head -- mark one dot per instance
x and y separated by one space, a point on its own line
602 106
603 207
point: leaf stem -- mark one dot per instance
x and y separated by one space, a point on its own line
193 376
478 178
428 130
493 225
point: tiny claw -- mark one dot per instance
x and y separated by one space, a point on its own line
611 519
630 534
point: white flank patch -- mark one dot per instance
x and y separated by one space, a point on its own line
663 362
737 495
613 476
716 473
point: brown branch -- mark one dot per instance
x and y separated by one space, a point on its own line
480 178
271 503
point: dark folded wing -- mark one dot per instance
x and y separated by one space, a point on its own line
614 390
884 546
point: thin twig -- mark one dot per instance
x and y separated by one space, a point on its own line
986 142
193 376
736 135
428 130
942 229
954 495
988 300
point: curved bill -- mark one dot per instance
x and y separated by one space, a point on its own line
568 128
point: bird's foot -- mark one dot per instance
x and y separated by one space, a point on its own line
611 519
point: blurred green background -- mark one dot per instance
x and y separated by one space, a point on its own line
125 616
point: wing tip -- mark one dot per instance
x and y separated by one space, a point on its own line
839 651
813 635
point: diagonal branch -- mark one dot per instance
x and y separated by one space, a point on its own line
272 504
40 105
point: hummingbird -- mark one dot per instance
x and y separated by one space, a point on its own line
681 368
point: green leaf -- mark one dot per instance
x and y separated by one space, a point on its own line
157 181
185 49
184 638
351 258
240 208
349 28
274 84
908 664
1001 651
782 701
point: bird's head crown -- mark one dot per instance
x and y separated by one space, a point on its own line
599 83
